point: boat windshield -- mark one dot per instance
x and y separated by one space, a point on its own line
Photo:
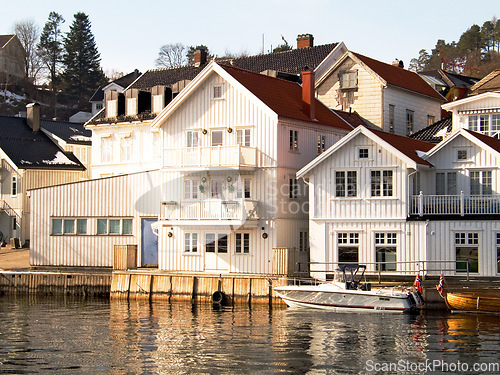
351 274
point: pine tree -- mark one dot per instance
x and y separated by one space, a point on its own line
82 71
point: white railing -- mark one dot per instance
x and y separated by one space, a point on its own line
211 209
218 156
454 204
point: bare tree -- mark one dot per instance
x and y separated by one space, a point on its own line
28 33
171 56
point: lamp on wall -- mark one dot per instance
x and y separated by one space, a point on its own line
264 235
204 131
229 130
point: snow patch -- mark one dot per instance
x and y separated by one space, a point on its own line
26 162
60 158
80 138
421 154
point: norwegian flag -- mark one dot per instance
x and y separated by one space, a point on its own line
418 283
440 287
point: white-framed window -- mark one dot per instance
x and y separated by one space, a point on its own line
68 226
217 92
381 183
243 186
294 140
217 137
480 182
430 120
131 106
348 247
363 153
467 251
409 121
192 138
446 183
190 242
303 240
293 188
216 242
126 149
112 108
114 226
386 250
243 137
488 124
392 108
242 243
191 187
346 184
321 143
216 188
99 106
462 155
13 186
106 149
473 123
349 79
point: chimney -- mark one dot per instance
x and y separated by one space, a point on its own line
308 97
33 116
305 40
398 63
200 57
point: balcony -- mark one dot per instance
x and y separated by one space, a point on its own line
233 156
211 211
462 205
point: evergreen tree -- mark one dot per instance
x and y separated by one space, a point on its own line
418 65
82 72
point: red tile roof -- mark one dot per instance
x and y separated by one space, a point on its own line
284 97
494 143
399 77
407 146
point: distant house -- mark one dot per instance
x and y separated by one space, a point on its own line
386 96
11 58
401 205
490 83
452 86
29 160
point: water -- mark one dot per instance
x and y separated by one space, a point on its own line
49 335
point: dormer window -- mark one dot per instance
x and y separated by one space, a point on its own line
349 79
217 92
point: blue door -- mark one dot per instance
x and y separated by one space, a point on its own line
149 244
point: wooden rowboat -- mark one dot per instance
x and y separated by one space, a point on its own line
471 301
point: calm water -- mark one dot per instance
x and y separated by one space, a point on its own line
48 335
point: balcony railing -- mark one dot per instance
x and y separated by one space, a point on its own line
462 204
212 209
213 156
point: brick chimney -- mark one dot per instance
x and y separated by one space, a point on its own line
200 57
305 40
308 97
33 116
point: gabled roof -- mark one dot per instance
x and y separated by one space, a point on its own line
123 82
474 98
434 133
292 62
450 79
410 150
4 39
399 77
69 132
33 150
489 83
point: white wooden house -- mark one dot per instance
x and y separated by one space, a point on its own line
401 205
386 96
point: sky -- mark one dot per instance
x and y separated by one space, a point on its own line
129 34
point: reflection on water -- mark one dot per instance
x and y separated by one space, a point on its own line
115 337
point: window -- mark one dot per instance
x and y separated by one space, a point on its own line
348 247
81 226
243 188
243 137
480 183
126 149
14 223
131 106
409 122
466 249
363 153
415 181
430 119
303 241
192 139
242 243
385 251
495 125
391 117
106 149
446 183
99 106
294 140
13 190
191 189
216 188
484 124
321 143
114 226
381 183
217 92
190 242
69 226
216 243
57 226
462 155
349 79
346 184
293 188
217 137
473 123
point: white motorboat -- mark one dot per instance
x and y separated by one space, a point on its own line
347 293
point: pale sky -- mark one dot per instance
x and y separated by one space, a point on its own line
129 34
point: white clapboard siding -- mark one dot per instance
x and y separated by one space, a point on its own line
129 196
